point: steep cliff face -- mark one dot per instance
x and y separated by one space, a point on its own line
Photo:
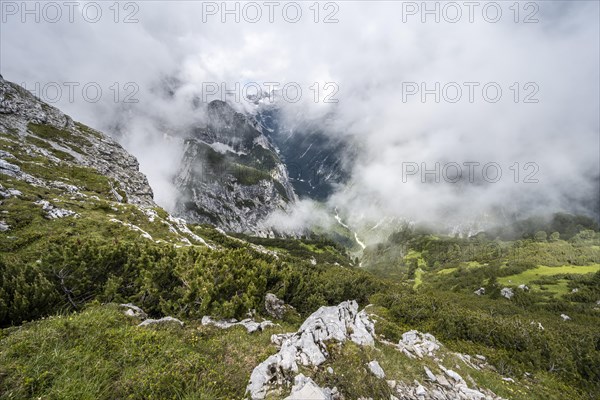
60 179
41 130
231 175
317 162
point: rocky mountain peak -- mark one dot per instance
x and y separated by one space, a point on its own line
38 128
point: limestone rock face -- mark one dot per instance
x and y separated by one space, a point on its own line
307 346
20 111
306 389
231 175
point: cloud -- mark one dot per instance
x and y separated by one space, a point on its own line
374 58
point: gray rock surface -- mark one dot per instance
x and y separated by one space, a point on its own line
230 175
275 307
376 369
87 147
53 212
415 344
161 321
307 346
306 389
507 293
250 325
134 311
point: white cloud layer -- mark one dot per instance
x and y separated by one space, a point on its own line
373 56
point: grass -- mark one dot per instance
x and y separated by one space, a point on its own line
418 278
526 277
49 132
101 354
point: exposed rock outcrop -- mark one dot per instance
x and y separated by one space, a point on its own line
275 307
56 131
307 346
134 311
53 212
163 320
250 325
306 389
415 344
507 293
231 176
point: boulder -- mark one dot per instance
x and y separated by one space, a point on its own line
480 291
276 307
417 345
134 311
507 292
376 369
307 346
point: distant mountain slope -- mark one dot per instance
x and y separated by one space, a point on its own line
314 159
231 175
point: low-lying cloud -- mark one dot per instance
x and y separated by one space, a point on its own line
519 98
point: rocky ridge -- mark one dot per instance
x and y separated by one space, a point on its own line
61 169
307 348
24 117
231 175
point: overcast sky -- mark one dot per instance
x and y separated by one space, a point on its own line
380 55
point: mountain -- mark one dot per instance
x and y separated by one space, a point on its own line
231 175
317 161
43 134
60 179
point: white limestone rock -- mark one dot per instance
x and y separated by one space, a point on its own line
417 345
53 212
134 311
507 293
164 320
307 346
376 369
306 389
250 325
